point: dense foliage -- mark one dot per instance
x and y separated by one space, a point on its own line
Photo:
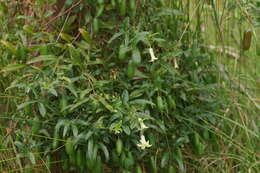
109 86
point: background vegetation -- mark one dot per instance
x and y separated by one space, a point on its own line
129 86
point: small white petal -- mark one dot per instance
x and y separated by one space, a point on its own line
141 146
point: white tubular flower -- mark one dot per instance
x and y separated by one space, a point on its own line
153 58
143 143
175 63
142 125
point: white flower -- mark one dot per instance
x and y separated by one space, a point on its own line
142 125
143 143
153 58
175 63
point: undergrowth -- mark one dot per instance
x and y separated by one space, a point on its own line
129 86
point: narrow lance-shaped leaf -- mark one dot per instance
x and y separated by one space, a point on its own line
79 104
25 104
12 67
90 149
125 97
165 159
66 37
42 109
105 103
75 130
42 58
66 128
32 157
105 151
115 36
85 35
136 56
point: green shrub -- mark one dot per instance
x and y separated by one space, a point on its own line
127 91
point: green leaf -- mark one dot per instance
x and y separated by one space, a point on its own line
78 104
88 135
12 67
165 159
45 133
90 149
25 104
42 109
95 151
66 128
19 145
141 36
127 130
32 157
42 58
59 124
123 49
115 36
68 2
84 93
66 37
125 97
172 55
85 34
75 55
75 130
136 56
72 90
136 93
170 12
153 164
105 151
28 29
141 102
53 91
48 13
183 96
105 103
178 157
116 127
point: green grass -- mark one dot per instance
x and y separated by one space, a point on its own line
240 133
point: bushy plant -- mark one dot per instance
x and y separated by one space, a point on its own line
124 90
